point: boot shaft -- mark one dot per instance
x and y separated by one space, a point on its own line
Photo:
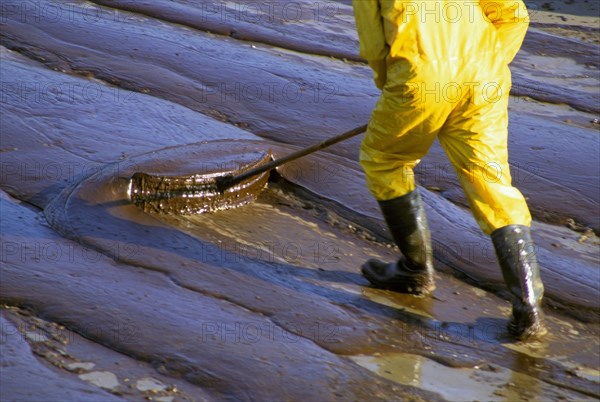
517 258
516 255
406 219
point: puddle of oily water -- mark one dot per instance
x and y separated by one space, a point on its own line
461 384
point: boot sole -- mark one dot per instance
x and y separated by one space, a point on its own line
397 285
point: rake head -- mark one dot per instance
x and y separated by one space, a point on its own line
197 193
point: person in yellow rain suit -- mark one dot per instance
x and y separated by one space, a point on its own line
442 67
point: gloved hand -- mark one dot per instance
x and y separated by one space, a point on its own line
379 68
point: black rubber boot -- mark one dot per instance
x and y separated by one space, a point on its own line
413 272
516 255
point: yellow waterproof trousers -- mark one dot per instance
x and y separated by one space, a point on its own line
469 116
444 78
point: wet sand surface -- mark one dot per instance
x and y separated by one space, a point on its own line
300 98
103 301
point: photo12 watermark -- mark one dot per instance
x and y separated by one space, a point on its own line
27 172
288 252
472 12
53 12
223 12
269 92
249 332
64 92
121 332
63 251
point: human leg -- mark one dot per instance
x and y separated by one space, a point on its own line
475 140
407 222
401 131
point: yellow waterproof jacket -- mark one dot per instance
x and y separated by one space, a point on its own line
458 31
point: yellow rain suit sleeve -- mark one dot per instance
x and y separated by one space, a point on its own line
371 36
511 20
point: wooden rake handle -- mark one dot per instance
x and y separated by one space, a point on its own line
228 181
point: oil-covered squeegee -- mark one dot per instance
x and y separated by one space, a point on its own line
200 193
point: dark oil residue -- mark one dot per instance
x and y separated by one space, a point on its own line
195 194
